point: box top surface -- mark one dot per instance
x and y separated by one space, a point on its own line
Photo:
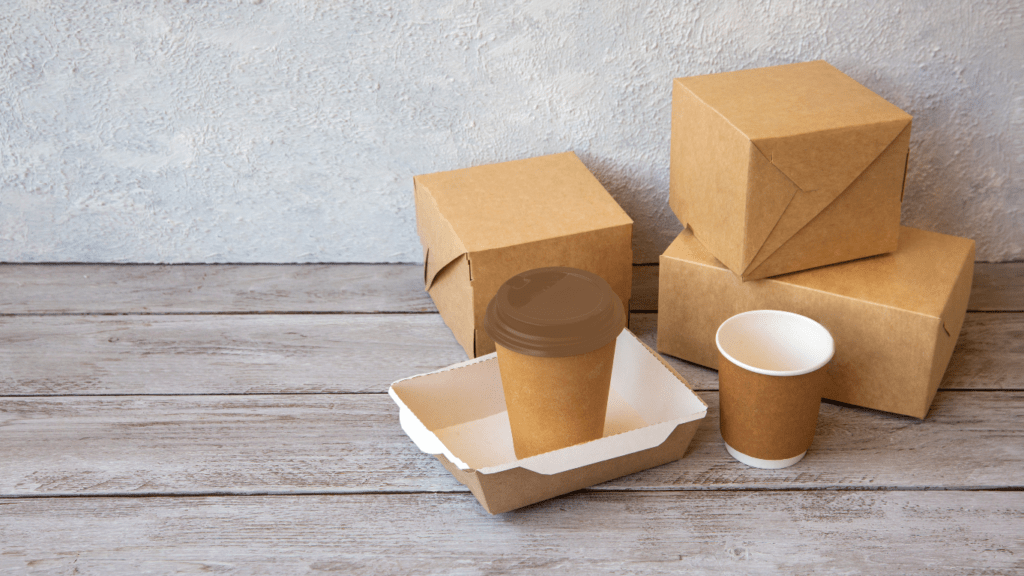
917 277
460 412
521 201
792 99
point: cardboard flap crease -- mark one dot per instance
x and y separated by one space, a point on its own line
866 198
441 246
830 160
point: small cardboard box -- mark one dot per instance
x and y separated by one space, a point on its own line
787 168
894 318
480 226
458 414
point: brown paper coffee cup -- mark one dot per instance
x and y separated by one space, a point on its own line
772 373
554 330
555 402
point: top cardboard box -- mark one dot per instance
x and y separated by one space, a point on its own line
480 226
786 168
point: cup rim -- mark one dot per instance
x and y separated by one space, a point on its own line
798 372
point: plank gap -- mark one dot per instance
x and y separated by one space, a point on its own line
385 393
463 490
228 313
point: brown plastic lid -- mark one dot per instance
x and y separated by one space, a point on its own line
554 312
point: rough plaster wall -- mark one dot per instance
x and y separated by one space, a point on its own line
289 131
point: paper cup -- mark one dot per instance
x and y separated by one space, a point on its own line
771 375
554 330
555 402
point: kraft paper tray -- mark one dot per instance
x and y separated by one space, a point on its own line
458 415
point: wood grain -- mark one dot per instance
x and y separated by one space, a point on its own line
171 425
158 289
998 287
163 289
354 443
861 532
233 354
989 353
236 354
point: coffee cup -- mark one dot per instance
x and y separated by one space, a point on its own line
555 330
772 371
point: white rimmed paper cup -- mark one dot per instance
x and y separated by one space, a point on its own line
771 375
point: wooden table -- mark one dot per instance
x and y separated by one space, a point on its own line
159 419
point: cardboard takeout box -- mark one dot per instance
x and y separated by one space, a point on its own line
787 168
895 318
458 414
480 226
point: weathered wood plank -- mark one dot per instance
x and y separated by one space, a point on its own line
354 443
128 289
178 289
233 354
585 533
988 354
125 289
998 287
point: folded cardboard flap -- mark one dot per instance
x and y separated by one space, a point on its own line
459 412
848 214
441 245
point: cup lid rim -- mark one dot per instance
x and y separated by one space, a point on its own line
580 332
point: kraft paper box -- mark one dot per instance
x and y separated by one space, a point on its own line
787 168
480 226
895 318
458 415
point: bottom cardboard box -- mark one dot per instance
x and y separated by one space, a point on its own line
458 414
895 318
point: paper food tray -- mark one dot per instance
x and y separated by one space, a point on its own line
458 414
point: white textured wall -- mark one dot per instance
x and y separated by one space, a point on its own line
289 131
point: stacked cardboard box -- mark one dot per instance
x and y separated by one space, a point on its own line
790 181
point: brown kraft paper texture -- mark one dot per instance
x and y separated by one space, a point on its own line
543 394
768 417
